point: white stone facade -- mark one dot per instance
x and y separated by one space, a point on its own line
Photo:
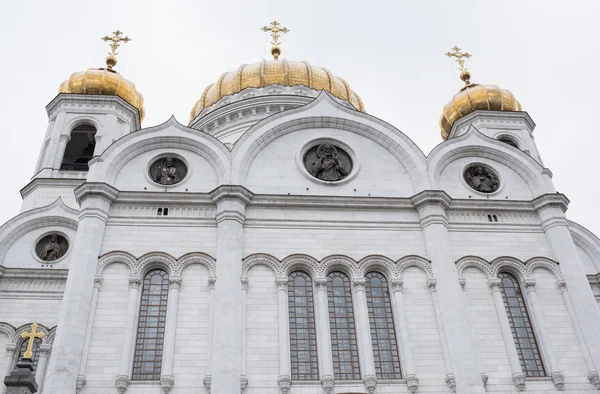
248 213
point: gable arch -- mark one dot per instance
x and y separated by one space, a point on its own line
310 116
195 258
588 243
415 261
26 327
542 262
510 265
261 259
474 262
83 120
115 257
8 330
154 260
377 263
340 263
302 263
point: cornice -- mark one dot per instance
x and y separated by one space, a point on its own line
175 198
2 270
431 197
327 202
51 182
235 192
493 117
551 200
99 189
33 273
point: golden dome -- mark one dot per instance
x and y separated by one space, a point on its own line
104 82
282 72
475 97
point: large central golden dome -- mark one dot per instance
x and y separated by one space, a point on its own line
282 72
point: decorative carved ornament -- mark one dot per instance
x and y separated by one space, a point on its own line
52 247
168 170
328 162
482 178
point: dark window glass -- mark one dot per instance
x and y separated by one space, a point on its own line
520 325
35 349
303 336
151 326
381 321
341 323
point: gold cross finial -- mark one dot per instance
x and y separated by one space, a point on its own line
31 335
460 59
116 40
275 30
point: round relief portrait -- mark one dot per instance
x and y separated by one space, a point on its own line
482 178
168 170
51 247
328 162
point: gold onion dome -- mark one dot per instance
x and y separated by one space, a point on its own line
279 71
105 81
473 97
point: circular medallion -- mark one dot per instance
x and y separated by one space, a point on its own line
482 178
328 162
51 247
168 170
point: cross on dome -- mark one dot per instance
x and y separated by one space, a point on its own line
116 40
275 30
460 59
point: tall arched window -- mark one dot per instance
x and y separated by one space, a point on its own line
520 324
80 148
35 349
381 322
303 335
341 323
151 326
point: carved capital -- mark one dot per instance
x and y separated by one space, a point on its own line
370 382
285 382
282 284
243 383
484 378
167 382
412 382
245 281
96 189
135 282
174 282
122 383
359 284
462 282
45 350
529 285
321 284
327 382
451 381
98 282
10 349
207 383
561 284
559 380
594 379
212 279
397 285
495 285
519 381
80 383
432 284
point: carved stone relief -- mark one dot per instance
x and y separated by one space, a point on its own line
168 170
51 247
482 178
328 162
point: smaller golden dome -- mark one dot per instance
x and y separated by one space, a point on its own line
103 81
475 97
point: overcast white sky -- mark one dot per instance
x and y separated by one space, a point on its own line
390 52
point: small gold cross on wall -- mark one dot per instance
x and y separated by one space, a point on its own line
31 335
276 31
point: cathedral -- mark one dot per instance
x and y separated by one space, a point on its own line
285 241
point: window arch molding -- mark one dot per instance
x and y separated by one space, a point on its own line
523 270
83 121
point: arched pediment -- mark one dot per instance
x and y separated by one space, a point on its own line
588 243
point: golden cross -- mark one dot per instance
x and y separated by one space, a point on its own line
460 57
31 335
116 41
275 30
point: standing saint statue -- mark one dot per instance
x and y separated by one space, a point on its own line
52 250
167 173
328 166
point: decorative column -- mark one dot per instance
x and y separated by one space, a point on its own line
167 380
11 350
226 371
513 357
244 378
123 378
81 379
211 313
551 211
40 371
402 326
592 373
542 333
94 200
450 380
324 336
285 375
60 150
363 328
431 207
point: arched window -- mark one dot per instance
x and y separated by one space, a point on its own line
151 326
303 336
80 148
381 321
341 323
35 349
508 140
520 324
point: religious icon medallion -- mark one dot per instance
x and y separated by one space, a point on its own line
328 162
168 170
51 247
482 178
